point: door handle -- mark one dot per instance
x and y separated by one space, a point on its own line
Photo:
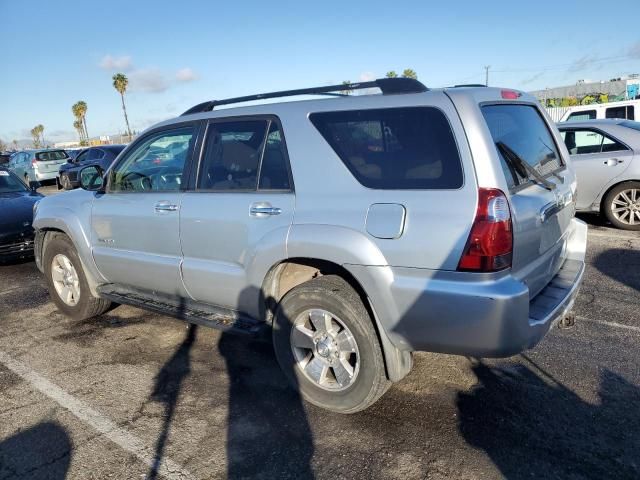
263 210
165 207
612 162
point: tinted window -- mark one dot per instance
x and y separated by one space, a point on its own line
394 148
95 154
155 164
232 155
10 183
522 129
625 112
83 156
51 155
583 115
274 174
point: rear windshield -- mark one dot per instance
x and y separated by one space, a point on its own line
52 155
394 148
522 129
631 124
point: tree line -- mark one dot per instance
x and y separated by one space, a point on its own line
406 73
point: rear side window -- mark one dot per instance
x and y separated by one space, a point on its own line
625 112
51 155
582 142
522 129
583 115
394 148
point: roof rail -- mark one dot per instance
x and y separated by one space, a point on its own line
462 85
386 85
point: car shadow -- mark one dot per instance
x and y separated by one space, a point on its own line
40 452
531 426
621 265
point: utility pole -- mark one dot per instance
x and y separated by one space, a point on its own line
486 75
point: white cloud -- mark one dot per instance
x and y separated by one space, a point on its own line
367 76
111 63
148 80
186 75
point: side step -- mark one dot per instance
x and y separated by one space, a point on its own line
185 309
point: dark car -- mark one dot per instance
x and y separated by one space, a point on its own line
103 156
4 158
16 204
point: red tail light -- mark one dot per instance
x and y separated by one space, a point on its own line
510 94
490 244
34 162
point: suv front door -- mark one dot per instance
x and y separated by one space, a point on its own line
597 159
135 224
234 222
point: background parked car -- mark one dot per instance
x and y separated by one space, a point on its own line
73 152
4 158
16 205
103 156
606 158
38 165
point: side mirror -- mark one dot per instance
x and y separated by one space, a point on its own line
34 185
91 178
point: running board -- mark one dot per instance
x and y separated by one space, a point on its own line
185 309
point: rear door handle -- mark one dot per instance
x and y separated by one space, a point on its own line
264 210
612 162
165 207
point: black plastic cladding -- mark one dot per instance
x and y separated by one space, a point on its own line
386 85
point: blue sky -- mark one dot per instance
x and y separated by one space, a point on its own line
180 53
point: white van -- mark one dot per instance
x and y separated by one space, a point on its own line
627 109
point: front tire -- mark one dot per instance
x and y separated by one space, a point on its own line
622 206
66 281
326 345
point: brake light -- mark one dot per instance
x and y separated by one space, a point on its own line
510 94
490 244
34 162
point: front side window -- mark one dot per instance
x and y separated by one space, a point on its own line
394 148
155 164
95 154
522 129
82 157
9 183
583 115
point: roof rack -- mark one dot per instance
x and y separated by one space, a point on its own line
386 85
462 85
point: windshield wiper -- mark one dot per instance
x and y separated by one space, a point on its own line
523 168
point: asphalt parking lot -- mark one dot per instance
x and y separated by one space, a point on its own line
103 398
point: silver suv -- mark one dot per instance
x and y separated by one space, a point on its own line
354 230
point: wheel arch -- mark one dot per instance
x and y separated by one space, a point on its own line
611 187
287 274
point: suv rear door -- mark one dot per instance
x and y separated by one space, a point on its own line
242 203
541 216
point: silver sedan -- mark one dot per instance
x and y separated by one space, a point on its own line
606 157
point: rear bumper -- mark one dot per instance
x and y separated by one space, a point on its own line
458 313
40 176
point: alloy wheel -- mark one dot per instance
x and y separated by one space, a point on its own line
626 206
65 280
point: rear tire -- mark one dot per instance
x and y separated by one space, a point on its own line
67 283
621 206
337 363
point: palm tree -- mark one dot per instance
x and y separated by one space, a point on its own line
391 74
35 135
408 73
82 110
75 109
40 130
347 90
78 126
120 83
14 142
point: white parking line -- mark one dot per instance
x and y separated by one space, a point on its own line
121 437
610 324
